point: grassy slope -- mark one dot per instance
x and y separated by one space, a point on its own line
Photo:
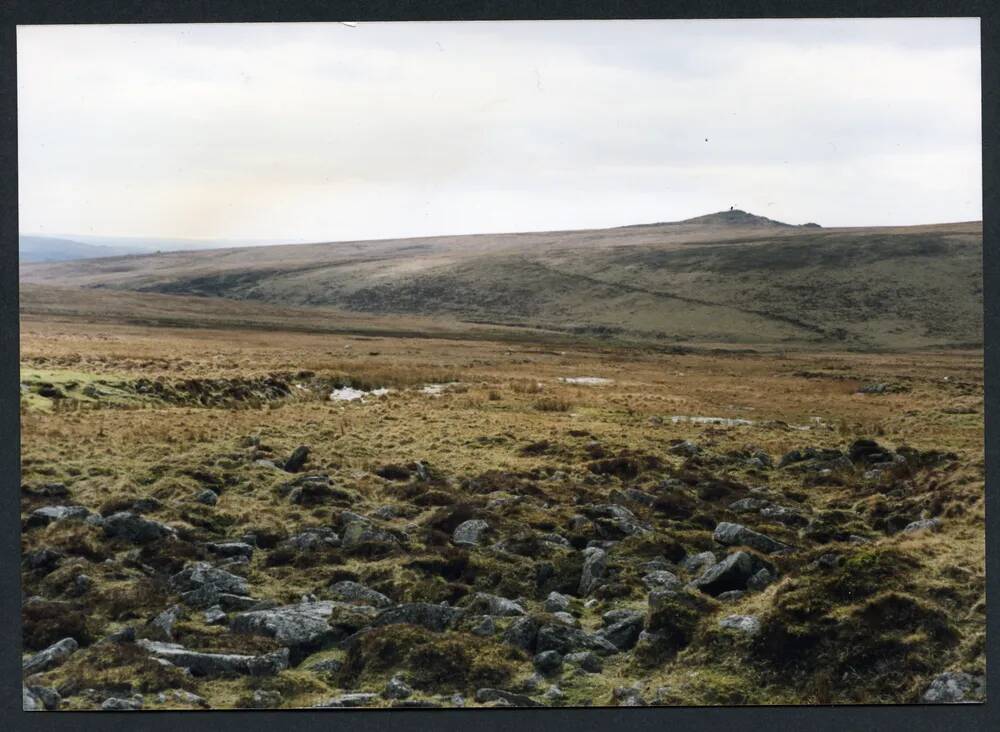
907 287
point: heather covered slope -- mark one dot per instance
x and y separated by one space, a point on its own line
203 525
727 278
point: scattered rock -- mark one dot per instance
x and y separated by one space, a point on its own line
433 617
29 701
214 616
297 460
623 631
52 656
556 602
739 535
396 688
134 528
305 626
485 627
662 579
49 514
587 660
732 573
470 533
595 565
487 604
954 687
548 662
208 497
348 591
162 626
117 704
49 698
747 625
933 524
214 664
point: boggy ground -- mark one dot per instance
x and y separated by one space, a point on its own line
510 538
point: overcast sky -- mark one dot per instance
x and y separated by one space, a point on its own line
328 132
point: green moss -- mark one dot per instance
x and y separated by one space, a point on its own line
440 662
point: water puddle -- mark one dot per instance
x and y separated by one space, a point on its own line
724 421
437 389
589 380
350 394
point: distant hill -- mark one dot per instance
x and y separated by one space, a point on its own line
725 278
53 249
38 248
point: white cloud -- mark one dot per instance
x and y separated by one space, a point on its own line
320 131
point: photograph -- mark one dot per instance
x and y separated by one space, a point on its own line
479 364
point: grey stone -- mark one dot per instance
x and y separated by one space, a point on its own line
30 702
487 604
203 585
685 448
52 656
731 596
208 497
214 615
49 697
49 514
162 626
554 694
662 579
747 625
213 664
748 505
231 549
548 662
183 696
595 565
784 515
297 460
117 704
522 633
362 535
628 696
348 591
760 580
624 632
396 688
313 540
305 625
470 533
562 638
933 524
264 699
485 627
736 534
698 563
954 687
134 528
433 617
44 559
327 666
587 660
566 618
732 573
556 602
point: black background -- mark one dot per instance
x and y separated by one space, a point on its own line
718 719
